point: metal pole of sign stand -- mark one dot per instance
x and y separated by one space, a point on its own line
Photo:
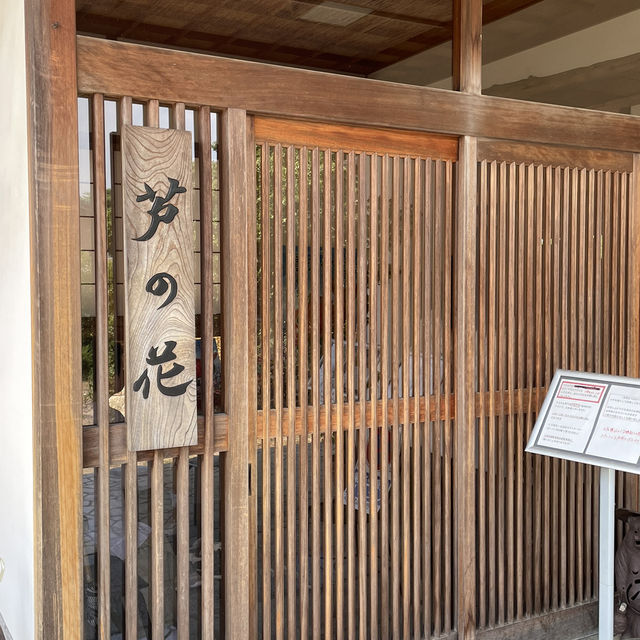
607 531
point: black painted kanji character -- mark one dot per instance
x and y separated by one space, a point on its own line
155 359
159 205
158 285
143 379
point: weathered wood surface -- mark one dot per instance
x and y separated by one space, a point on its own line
238 309
119 68
363 139
102 366
159 288
57 370
208 428
522 331
465 437
538 154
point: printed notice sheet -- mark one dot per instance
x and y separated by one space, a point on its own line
590 418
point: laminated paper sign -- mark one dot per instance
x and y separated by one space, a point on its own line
160 325
590 418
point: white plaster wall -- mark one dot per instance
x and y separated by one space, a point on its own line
16 437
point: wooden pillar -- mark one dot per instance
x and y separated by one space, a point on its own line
236 225
633 319
51 78
57 373
467 46
467 64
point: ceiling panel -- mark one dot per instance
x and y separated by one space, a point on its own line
357 37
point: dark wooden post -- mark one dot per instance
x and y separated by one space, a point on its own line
467 65
236 303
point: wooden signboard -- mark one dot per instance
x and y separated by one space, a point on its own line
590 418
159 307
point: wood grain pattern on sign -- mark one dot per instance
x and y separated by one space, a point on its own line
161 378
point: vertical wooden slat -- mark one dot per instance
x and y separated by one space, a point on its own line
528 380
633 307
182 495
130 494
251 362
418 391
581 233
590 262
157 491
374 465
406 427
623 345
548 368
384 391
510 367
606 276
315 388
502 385
303 285
540 291
238 311
591 269
351 391
555 174
207 609
265 220
395 372
292 616
491 378
438 364
482 381
448 514
327 381
339 383
571 213
565 362
615 299
278 374
102 365
362 326
599 302
429 364
520 384
157 544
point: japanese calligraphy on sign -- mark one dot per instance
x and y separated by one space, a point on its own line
590 418
158 232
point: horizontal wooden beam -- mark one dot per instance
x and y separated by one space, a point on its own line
123 69
118 442
573 622
359 139
506 151
520 400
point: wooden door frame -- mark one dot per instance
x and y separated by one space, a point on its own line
55 268
51 66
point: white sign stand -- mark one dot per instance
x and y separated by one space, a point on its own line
594 419
607 538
